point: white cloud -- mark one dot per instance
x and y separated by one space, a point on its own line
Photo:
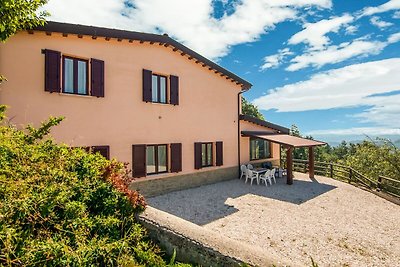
370 131
273 61
396 15
351 29
335 53
388 6
394 38
350 86
188 21
338 53
314 34
376 21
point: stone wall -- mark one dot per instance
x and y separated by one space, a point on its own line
153 187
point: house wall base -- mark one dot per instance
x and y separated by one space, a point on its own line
153 187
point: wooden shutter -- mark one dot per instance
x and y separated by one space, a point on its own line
197 156
103 150
176 157
174 90
139 160
219 153
52 70
97 77
147 84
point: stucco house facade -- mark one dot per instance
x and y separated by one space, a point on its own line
141 98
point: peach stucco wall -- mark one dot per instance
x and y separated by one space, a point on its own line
207 109
245 144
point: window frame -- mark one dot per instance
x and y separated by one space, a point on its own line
156 165
206 153
75 61
159 88
269 149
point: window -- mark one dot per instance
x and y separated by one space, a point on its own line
75 76
206 154
159 88
259 149
156 159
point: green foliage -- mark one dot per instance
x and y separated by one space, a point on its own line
18 15
62 206
374 158
251 110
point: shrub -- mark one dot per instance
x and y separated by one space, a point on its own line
62 206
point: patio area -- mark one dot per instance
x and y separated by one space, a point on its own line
335 223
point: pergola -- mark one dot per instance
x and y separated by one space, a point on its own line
290 142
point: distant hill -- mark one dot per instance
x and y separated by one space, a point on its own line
335 140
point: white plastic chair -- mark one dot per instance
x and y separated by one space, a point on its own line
272 175
250 175
243 170
249 166
266 177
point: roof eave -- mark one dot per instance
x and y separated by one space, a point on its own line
67 28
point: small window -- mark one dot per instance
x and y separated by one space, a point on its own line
259 149
75 76
156 159
103 150
206 154
159 88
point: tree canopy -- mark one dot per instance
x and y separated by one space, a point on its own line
251 110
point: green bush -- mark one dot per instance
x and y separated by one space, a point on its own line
62 206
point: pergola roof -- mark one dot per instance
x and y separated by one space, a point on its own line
289 140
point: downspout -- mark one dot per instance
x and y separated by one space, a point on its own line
238 103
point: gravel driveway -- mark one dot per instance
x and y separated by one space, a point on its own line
335 223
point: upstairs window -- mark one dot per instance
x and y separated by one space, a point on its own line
75 76
259 149
159 88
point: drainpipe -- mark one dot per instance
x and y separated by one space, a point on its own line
238 121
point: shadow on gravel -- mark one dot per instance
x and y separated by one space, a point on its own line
205 204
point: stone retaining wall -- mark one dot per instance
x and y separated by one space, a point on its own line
159 186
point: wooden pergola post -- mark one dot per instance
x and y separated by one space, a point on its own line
289 165
311 161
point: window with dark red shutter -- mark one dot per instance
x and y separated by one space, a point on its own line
219 153
52 71
138 160
103 150
174 90
147 85
197 156
176 157
97 77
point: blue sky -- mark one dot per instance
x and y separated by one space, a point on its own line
330 67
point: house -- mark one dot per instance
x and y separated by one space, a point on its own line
142 98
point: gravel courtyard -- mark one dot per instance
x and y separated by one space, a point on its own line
335 223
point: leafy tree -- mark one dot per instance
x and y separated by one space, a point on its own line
18 15
251 110
61 206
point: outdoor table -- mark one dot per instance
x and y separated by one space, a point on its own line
259 171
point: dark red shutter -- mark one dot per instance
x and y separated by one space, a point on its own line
176 157
52 71
219 153
147 84
139 160
103 150
97 77
174 90
197 156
